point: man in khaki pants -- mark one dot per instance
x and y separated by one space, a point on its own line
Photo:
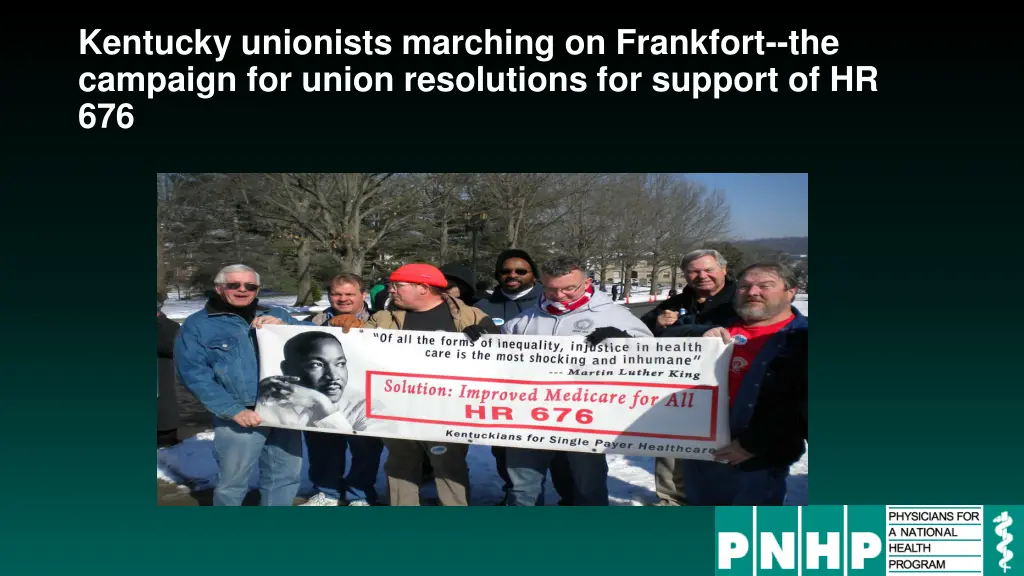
419 302
668 482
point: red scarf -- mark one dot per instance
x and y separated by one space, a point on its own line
559 308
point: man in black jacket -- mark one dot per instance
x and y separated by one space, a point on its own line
517 288
706 300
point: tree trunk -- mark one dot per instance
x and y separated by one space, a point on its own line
237 237
442 253
161 281
674 280
655 274
352 261
161 201
304 256
510 233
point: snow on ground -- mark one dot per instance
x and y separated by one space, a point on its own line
630 478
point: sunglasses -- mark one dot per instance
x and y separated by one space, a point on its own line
519 271
236 285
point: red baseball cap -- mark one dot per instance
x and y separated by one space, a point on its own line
420 274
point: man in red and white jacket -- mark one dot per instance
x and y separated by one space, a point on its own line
569 306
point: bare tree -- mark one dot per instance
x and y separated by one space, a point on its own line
690 216
444 195
632 230
587 215
296 224
671 202
348 214
263 197
199 229
162 200
516 200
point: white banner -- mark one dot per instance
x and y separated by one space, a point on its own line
642 396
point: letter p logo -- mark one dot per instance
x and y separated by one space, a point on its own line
863 545
731 546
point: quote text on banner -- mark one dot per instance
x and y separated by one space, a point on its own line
641 396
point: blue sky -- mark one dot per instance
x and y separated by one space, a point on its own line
763 205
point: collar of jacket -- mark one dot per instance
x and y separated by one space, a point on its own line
798 323
454 309
499 295
214 311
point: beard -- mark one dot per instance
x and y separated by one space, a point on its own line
758 311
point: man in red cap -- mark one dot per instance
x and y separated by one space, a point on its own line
420 302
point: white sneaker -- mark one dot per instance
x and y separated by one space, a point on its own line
320 499
358 503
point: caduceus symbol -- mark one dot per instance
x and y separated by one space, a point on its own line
1004 521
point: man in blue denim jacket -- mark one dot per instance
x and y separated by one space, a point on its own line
216 358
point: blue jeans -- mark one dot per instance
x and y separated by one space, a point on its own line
712 484
527 469
327 464
559 475
237 449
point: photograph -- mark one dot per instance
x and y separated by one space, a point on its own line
310 390
566 261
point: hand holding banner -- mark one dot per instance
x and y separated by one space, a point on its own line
643 396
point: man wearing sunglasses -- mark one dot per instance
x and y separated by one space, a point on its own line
517 291
215 357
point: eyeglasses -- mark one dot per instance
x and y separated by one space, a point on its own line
568 290
519 271
236 285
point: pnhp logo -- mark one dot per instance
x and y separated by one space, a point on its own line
815 539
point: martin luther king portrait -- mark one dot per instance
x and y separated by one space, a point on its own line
310 392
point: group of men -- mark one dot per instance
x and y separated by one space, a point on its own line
216 359
767 380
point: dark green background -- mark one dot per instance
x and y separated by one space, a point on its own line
915 378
